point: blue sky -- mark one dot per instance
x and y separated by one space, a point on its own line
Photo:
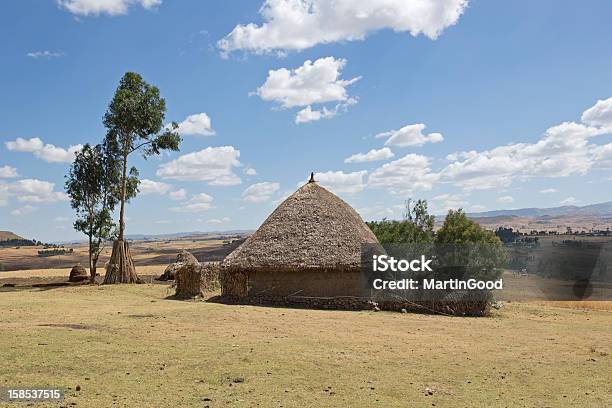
480 105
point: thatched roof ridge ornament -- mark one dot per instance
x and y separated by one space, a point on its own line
312 228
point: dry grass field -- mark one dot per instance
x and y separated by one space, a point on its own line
132 346
144 253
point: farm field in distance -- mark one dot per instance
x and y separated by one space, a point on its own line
157 252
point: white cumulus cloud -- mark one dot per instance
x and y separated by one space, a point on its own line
260 192
25 210
410 135
147 186
198 203
599 115
405 175
45 151
178 195
214 165
549 191
444 202
312 83
301 24
341 182
372 155
8 172
34 191
562 151
109 7
198 124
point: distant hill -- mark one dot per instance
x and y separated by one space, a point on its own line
602 209
585 218
198 235
186 235
8 236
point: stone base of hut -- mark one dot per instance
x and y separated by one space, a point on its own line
306 302
341 291
301 283
466 308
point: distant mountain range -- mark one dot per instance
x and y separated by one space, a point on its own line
602 209
173 236
183 235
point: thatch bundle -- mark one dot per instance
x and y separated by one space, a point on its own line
310 245
183 258
78 274
120 267
193 279
189 281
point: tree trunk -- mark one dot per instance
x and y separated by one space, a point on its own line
92 270
123 188
121 266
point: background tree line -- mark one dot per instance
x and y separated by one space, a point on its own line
462 247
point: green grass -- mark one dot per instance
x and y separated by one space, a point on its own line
129 346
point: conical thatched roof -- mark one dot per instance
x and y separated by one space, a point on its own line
312 228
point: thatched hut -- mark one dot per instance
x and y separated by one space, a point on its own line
307 252
78 274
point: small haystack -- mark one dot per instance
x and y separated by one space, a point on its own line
189 281
182 259
192 280
78 274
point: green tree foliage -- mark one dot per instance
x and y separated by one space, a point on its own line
507 235
416 227
135 121
467 249
459 229
91 185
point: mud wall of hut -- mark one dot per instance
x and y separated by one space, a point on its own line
307 283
